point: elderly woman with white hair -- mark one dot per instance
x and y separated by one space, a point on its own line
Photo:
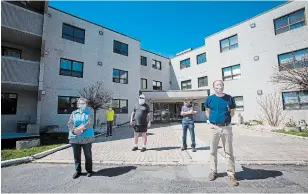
81 135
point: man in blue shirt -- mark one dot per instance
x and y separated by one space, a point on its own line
188 123
219 110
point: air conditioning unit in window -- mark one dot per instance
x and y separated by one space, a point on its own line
99 63
101 32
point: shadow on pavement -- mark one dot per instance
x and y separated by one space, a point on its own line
115 171
165 148
254 174
118 134
203 148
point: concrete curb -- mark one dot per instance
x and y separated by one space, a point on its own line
179 163
32 158
51 151
16 161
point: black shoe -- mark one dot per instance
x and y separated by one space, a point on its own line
107 135
194 149
143 149
183 148
110 135
76 175
135 148
89 174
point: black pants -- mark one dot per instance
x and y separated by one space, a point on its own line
109 127
87 150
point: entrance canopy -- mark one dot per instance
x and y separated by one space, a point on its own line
173 95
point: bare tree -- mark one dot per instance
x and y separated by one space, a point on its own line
98 97
271 107
292 74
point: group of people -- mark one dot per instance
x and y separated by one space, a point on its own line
219 109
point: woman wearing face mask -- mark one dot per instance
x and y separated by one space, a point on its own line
81 135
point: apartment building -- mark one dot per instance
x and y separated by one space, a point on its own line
22 29
46 61
246 55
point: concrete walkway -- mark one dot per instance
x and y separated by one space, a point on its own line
164 142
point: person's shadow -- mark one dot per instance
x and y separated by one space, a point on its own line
254 174
115 171
165 148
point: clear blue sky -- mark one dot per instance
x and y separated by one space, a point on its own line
166 27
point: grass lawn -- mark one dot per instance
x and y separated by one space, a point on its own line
302 133
13 153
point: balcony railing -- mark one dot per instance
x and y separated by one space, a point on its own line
19 18
20 72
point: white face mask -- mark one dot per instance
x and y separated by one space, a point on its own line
141 99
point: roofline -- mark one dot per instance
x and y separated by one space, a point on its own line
91 22
194 49
289 1
156 54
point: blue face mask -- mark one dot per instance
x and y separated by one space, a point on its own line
82 107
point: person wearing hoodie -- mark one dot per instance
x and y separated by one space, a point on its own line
81 136
140 121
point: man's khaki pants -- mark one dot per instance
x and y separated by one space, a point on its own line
225 132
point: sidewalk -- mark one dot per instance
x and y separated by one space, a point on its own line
164 142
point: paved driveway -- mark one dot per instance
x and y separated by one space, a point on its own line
164 143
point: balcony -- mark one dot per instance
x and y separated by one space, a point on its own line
21 19
19 72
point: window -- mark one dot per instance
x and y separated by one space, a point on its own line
120 106
228 43
185 63
239 102
11 52
156 64
144 83
157 85
295 59
230 73
185 85
8 103
290 22
73 33
295 100
202 81
67 104
120 48
144 61
120 76
201 58
71 68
